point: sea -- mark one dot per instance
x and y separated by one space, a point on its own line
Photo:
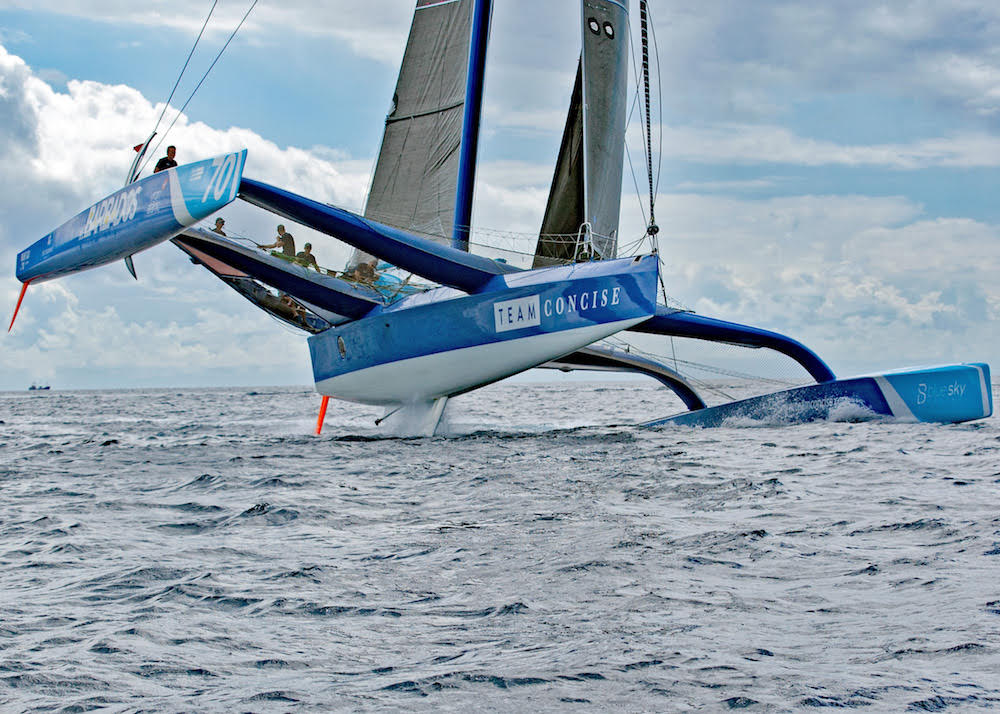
202 550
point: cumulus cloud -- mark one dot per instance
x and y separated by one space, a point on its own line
772 144
863 280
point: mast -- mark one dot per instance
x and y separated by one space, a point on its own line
476 79
582 213
605 80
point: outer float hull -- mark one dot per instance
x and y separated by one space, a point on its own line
421 352
134 218
949 394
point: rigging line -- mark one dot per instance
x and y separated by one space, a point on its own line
689 365
700 383
644 29
184 68
638 193
202 80
659 104
635 103
638 84
652 229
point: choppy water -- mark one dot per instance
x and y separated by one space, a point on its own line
183 550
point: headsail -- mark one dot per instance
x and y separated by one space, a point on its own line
416 174
564 213
585 197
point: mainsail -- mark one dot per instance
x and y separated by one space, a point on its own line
416 175
581 217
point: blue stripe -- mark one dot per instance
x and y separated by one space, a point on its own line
945 394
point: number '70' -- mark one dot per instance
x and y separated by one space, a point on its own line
225 171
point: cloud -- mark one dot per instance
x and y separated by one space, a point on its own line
717 57
372 32
748 185
13 36
771 144
754 59
862 280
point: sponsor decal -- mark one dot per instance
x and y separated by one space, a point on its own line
111 212
954 390
582 302
515 314
528 311
227 171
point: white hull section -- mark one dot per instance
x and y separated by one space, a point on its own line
447 373
414 418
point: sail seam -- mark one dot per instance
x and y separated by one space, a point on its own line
425 4
429 112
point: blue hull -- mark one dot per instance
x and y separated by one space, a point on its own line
949 394
134 218
445 343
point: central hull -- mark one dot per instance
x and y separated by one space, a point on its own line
446 343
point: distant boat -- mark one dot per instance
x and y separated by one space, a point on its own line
36 387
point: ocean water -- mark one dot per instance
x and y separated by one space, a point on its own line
201 550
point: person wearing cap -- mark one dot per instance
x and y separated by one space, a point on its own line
305 257
219 223
285 241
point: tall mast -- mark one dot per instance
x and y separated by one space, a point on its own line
475 81
585 195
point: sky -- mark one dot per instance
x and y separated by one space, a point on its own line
826 170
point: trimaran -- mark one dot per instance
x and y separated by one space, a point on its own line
482 319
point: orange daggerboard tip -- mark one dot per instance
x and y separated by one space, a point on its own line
322 415
24 289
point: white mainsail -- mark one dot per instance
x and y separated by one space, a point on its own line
416 175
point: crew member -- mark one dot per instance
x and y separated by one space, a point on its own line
305 257
285 241
167 162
